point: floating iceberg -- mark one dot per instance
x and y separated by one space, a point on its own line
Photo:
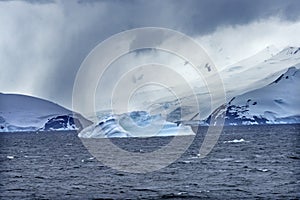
133 124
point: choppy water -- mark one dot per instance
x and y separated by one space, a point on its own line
248 162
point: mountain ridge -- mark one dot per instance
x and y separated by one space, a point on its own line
275 103
20 113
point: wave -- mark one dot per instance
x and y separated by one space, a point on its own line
235 141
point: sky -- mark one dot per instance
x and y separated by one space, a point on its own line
44 42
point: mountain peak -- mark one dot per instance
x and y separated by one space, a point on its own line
290 51
289 73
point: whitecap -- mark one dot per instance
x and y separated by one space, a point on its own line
235 141
224 159
263 170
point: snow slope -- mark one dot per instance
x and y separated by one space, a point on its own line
275 103
257 71
250 74
26 113
251 61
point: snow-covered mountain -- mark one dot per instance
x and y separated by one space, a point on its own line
275 103
250 74
256 72
262 88
26 113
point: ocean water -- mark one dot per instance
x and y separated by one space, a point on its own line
247 162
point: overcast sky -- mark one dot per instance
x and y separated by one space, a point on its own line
43 42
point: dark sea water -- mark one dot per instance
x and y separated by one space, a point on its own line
265 164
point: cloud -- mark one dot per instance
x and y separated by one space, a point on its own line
26 47
196 17
208 15
31 1
42 43
230 44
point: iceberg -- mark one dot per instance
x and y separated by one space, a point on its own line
133 124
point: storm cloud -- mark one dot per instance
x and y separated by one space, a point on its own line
43 43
